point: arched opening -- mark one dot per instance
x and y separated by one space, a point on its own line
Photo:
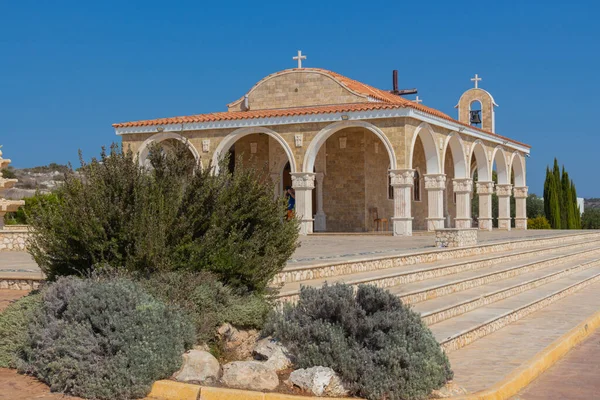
455 167
502 204
167 141
475 117
480 172
424 158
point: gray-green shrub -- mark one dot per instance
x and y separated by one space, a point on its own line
172 216
14 321
103 339
208 302
379 347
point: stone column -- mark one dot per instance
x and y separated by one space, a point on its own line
504 191
435 185
320 217
485 190
521 205
402 181
463 189
303 184
276 178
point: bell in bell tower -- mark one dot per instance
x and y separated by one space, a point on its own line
476 107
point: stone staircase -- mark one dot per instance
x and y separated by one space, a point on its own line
466 294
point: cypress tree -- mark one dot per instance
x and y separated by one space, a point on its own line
549 177
576 209
555 217
568 203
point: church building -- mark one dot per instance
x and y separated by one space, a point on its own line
359 158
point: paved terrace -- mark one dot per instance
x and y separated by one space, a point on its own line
317 249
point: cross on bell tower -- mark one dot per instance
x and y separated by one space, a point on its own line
299 58
476 79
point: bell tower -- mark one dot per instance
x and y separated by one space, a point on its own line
476 107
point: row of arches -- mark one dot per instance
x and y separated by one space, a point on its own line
354 162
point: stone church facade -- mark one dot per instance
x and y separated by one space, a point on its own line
356 154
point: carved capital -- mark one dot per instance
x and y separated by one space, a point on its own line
303 180
435 182
402 177
485 187
504 189
464 185
521 192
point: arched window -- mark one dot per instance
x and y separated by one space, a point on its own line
475 118
417 186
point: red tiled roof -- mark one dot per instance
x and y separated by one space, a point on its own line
385 100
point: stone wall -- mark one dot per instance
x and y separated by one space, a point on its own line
13 240
453 237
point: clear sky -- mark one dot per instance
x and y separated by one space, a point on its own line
69 69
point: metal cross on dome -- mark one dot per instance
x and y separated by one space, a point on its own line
299 57
476 80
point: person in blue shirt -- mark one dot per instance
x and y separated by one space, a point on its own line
290 195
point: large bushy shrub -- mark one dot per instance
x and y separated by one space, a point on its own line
104 339
14 321
591 219
379 347
166 216
208 302
538 223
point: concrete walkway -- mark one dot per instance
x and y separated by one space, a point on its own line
575 377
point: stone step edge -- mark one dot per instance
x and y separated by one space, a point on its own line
20 283
395 279
470 335
459 285
287 275
442 314
527 372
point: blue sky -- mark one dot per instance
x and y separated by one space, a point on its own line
69 69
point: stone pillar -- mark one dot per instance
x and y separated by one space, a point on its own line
303 184
276 178
435 185
320 217
402 181
504 191
2 214
463 189
521 205
485 190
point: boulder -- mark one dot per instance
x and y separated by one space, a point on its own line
237 342
198 367
273 353
320 381
450 389
252 375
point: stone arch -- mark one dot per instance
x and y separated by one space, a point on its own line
328 131
483 164
432 156
456 145
234 136
517 165
160 137
499 157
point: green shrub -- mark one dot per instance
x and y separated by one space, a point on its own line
13 328
591 219
167 217
380 348
104 339
208 302
31 203
538 223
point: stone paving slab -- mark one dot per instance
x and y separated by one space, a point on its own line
575 377
491 358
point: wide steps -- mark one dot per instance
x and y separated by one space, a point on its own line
432 288
406 274
465 328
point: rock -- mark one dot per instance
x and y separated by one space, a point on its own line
252 375
450 389
237 342
198 367
320 381
274 354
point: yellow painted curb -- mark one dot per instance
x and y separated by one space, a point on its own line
530 370
165 390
